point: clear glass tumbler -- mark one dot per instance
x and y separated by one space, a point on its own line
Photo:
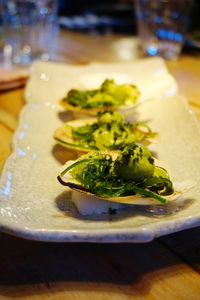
162 25
29 29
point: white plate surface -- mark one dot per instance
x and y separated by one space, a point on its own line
34 205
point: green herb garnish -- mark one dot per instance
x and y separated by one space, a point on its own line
133 172
109 94
110 131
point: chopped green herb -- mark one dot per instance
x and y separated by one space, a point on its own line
131 173
109 94
110 131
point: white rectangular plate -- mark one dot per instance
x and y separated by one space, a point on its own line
34 205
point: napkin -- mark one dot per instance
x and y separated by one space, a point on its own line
13 78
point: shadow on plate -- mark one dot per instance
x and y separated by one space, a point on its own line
65 116
64 204
62 154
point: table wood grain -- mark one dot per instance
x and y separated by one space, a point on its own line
166 268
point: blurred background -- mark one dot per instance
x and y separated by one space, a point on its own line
106 17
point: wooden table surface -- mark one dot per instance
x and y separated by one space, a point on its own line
166 268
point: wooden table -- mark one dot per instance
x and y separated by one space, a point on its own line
167 268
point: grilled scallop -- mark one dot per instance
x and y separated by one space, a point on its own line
150 184
108 131
109 96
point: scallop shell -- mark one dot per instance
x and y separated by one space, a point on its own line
64 134
67 180
64 137
93 111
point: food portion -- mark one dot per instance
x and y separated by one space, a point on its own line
108 96
128 177
108 131
118 170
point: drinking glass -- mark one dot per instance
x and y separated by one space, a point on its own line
29 29
162 25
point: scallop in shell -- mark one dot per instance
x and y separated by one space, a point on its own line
109 89
68 180
104 134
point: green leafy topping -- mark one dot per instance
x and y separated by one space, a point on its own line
110 131
135 163
75 145
132 173
73 165
109 94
